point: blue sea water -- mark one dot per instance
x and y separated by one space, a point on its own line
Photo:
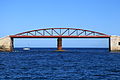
48 64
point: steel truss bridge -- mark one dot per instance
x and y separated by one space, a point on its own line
60 33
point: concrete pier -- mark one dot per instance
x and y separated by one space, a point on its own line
6 44
59 44
114 43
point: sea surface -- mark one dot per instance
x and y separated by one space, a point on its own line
71 64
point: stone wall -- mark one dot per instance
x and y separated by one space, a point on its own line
6 44
115 43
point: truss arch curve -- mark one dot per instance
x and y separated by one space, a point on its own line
59 32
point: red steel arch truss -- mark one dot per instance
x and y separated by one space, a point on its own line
60 32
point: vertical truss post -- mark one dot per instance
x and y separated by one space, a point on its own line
77 32
43 32
35 33
85 33
59 44
52 32
68 31
60 31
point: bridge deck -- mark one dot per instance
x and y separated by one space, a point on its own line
15 36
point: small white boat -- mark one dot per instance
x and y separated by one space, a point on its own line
26 48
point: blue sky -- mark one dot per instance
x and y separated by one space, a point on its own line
23 15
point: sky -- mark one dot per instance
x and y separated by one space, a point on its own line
23 15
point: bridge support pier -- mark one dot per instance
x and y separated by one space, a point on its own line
6 44
114 43
59 44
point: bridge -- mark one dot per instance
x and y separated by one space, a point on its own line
59 33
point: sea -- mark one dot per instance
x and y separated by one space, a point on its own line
49 64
